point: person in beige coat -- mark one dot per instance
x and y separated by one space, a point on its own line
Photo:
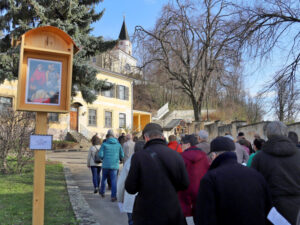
95 167
128 147
126 199
203 141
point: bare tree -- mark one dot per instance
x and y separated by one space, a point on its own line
267 25
191 41
286 104
15 129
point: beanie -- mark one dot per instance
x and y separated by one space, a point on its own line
152 127
220 144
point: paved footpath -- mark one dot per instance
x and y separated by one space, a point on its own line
90 208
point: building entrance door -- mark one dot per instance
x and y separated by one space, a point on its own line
74 118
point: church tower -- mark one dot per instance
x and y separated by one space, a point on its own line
124 42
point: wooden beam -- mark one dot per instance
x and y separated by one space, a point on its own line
39 173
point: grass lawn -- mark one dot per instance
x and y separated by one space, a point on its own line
16 198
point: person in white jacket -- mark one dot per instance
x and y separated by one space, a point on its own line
126 200
95 167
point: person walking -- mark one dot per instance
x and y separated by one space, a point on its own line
122 139
95 167
123 196
173 144
230 193
293 136
203 141
111 153
128 147
241 154
258 144
244 145
279 163
196 163
156 174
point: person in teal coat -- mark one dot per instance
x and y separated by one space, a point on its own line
111 153
258 143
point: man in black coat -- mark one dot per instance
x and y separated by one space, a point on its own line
279 163
230 193
156 173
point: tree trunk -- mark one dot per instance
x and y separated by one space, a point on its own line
196 109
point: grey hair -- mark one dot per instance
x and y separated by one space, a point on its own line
154 134
276 128
203 134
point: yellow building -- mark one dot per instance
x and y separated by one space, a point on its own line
111 110
140 119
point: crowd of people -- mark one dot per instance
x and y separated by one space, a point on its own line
227 181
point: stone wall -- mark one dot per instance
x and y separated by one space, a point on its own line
218 129
251 129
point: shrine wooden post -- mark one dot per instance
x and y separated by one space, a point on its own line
44 85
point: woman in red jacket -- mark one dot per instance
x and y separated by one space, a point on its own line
197 164
173 144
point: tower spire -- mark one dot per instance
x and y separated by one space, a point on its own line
123 33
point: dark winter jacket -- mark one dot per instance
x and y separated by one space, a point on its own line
157 173
232 194
279 163
196 163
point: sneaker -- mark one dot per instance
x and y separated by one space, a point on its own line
95 190
102 195
113 199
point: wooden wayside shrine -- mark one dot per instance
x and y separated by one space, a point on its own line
44 85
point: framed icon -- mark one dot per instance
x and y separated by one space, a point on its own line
43 84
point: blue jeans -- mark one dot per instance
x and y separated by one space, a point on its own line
112 173
96 175
130 221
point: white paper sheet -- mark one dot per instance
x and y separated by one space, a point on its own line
40 142
276 218
120 204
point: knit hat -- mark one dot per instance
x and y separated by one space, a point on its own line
191 139
152 127
220 144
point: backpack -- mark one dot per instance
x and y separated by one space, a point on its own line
97 159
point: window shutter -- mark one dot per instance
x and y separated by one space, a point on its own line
126 93
113 91
118 91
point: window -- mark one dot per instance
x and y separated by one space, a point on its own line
109 93
122 120
108 119
122 92
92 117
127 67
53 117
5 103
94 59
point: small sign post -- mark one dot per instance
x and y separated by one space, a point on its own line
44 85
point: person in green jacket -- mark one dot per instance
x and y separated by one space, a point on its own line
111 153
258 143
